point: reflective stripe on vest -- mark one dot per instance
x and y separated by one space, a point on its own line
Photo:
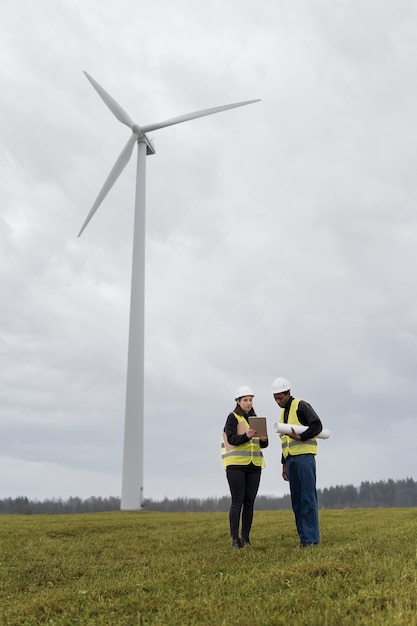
292 446
244 454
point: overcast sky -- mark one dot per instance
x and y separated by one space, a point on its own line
281 236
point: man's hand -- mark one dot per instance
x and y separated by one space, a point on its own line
284 472
294 435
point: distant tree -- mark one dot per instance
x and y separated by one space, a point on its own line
390 493
340 497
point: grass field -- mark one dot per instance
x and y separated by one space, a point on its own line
179 569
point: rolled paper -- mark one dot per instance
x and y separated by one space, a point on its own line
285 429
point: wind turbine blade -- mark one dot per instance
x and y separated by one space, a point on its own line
117 169
114 107
193 116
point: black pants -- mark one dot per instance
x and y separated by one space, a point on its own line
243 489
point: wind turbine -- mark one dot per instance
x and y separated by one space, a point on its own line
132 475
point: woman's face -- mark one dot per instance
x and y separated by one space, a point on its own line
245 403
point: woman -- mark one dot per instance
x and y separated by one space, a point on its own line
243 460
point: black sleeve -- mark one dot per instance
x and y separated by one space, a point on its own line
308 417
231 432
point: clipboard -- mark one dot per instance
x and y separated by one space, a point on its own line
259 424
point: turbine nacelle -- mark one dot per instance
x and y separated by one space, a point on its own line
150 148
137 130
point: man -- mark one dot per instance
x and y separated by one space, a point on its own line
299 460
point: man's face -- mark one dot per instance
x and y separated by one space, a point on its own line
282 398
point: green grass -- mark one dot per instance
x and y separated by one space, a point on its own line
179 569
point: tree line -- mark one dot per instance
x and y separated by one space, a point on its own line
386 494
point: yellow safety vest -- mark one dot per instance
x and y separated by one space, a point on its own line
292 446
244 454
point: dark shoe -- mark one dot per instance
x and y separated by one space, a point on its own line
245 542
309 545
236 545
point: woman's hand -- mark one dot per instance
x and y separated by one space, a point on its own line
263 438
250 433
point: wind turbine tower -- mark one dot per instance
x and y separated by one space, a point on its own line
132 475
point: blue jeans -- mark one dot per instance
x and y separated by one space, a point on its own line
301 471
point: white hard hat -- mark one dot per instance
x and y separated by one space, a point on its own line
280 385
243 391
